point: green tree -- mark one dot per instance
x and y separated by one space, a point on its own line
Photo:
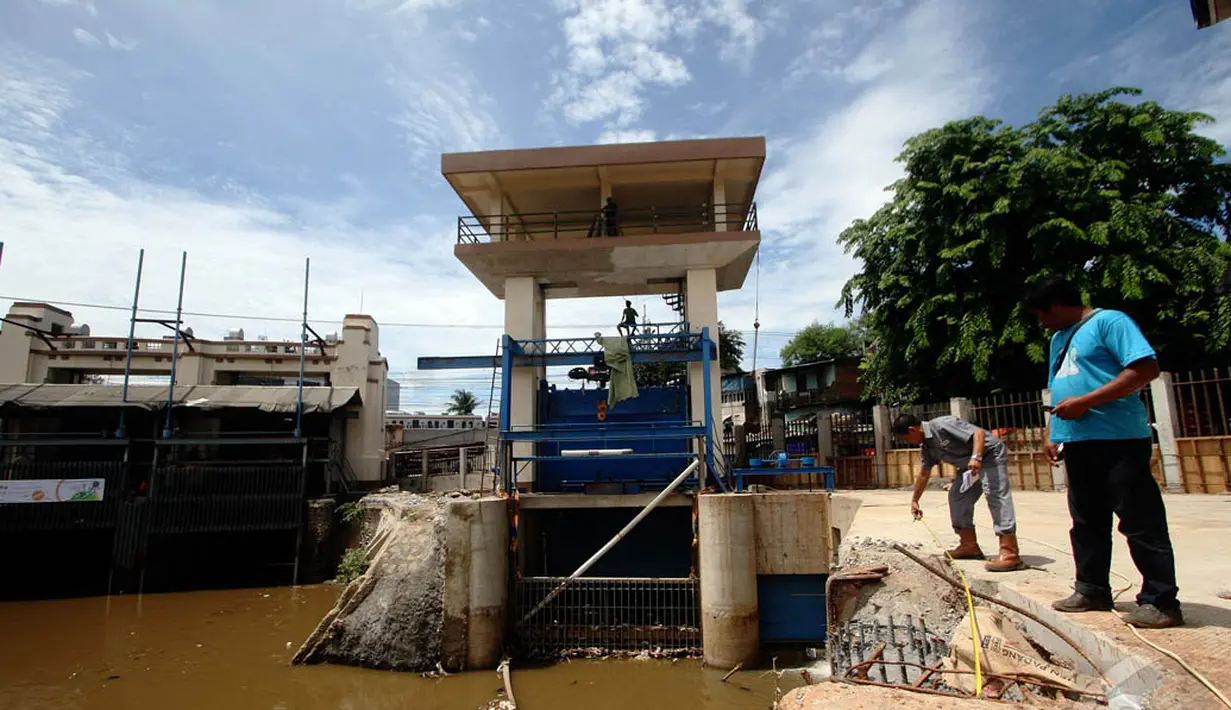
661 374
824 341
1124 198
462 402
730 348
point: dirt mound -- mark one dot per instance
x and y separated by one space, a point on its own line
391 617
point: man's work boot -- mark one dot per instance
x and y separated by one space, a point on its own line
967 546
1078 602
1008 561
1148 616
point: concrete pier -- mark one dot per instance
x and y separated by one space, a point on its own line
475 583
730 626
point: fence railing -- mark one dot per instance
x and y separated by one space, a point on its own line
1203 401
583 224
1017 419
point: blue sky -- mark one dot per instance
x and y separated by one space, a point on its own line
255 134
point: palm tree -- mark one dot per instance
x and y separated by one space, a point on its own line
462 402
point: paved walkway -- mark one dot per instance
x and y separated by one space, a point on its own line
1201 534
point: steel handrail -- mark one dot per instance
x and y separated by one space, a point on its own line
473 229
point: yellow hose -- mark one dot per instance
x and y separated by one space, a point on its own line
970 606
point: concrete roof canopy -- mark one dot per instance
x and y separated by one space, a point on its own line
681 205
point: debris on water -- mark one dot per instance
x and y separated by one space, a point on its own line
657 653
113 677
440 672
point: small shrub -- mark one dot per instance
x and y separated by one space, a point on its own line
354 563
350 512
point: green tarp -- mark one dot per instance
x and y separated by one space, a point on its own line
623 382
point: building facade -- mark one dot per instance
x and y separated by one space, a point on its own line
41 344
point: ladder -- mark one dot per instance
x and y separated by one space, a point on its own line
493 452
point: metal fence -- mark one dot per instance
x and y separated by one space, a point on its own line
925 412
1202 399
198 498
801 436
1017 419
854 449
609 615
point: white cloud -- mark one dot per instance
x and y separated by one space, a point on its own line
120 45
618 136
83 36
86 5
619 51
442 116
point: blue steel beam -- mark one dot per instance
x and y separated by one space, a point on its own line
592 434
487 362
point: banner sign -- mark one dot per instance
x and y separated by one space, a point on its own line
56 490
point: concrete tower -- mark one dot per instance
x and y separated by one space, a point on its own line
672 218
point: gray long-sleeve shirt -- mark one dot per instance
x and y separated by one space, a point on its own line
951 440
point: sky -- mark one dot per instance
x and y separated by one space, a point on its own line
256 135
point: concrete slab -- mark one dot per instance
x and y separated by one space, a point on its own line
1199 526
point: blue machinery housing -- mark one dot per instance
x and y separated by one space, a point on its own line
657 425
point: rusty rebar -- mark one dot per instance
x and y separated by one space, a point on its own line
1000 602
936 669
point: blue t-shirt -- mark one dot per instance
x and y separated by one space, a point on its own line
1109 342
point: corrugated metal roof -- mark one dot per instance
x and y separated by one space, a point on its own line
268 399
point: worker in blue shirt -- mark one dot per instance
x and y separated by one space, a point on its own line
1100 427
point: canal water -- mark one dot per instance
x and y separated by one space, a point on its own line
230 650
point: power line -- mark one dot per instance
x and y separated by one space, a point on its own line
317 321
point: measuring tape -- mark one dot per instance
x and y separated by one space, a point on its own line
970 605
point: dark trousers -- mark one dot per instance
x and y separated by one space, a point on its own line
1108 477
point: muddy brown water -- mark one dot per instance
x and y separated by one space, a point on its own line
230 650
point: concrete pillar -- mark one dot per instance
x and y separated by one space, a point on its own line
962 408
730 623
701 311
489 583
720 204
881 436
740 434
1166 415
777 432
525 318
461 467
1059 473
824 439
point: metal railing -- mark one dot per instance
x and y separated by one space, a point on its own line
1017 419
609 614
226 497
582 224
1202 400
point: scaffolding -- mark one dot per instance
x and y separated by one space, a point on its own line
184 495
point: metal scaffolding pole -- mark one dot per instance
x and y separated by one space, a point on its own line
175 349
121 432
303 347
